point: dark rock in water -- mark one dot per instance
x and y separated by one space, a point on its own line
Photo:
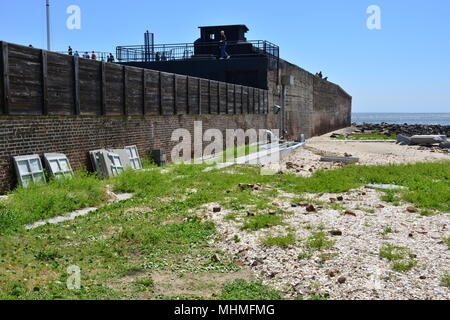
407 130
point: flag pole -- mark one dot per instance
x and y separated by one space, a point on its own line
48 25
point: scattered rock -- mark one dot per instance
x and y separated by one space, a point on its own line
332 273
250 214
304 204
215 258
423 277
411 209
333 200
342 280
217 209
350 213
311 208
380 206
257 262
340 198
294 205
336 232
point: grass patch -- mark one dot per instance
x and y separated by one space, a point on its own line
144 284
262 221
401 257
445 282
281 241
166 235
428 183
319 242
245 290
387 231
57 197
376 135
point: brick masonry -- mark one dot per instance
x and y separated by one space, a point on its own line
75 136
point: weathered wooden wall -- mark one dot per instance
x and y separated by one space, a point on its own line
39 82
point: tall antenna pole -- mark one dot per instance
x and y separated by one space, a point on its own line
48 25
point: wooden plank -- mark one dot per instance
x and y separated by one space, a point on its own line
76 85
254 101
248 101
125 90
187 95
234 100
44 65
175 92
226 98
60 84
160 93
218 97
90 87
114 89
25 80
199 96
209 97
103 89
144 92
4 68
242 99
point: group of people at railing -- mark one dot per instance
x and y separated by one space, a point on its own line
92 56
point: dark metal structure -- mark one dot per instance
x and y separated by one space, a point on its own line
197 51
206 47
250 59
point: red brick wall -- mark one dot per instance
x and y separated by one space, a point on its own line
75 136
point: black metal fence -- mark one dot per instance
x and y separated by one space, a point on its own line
101 56
201 50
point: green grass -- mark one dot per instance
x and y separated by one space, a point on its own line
59 196
369 136
318 242
245 290
447 241
281 241
401 257
428 183
262 221
159 230
445 282
387 231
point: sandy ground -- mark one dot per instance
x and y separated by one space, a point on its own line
354 269
306 160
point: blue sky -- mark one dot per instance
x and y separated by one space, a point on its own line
404 67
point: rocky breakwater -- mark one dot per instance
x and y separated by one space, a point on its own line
403 129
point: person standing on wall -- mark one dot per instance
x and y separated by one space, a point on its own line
70 51
223 46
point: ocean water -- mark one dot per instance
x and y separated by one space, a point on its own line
401 118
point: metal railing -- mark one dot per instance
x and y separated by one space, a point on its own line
200 50
101 56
